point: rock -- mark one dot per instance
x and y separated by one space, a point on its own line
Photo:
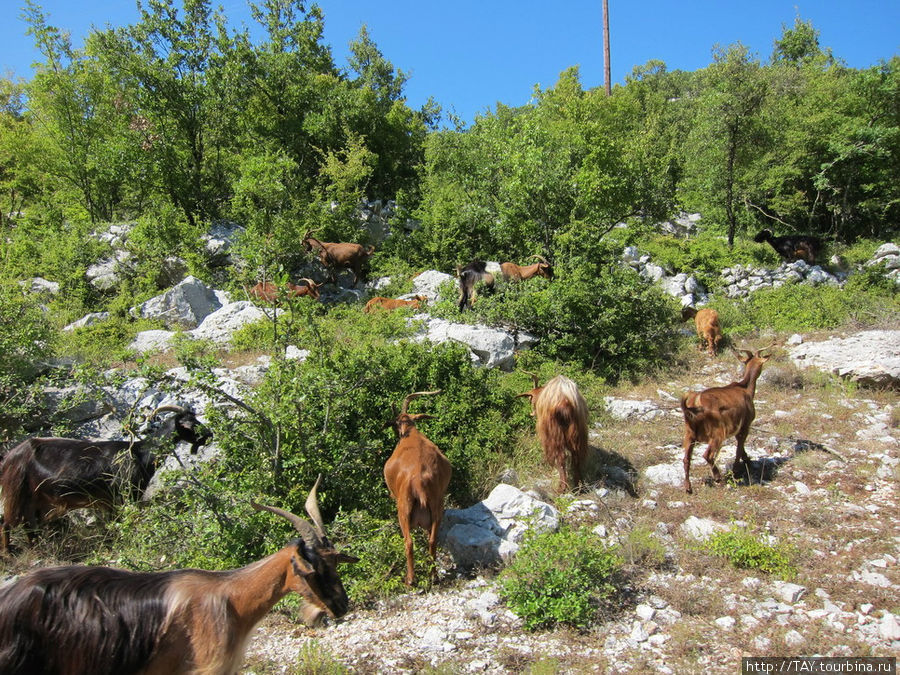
74 403
88 320
788 592
185 305
490 347
869 358
39 285
665 474
888 628
152 341
794 639
429 282
220 238
725 622
701 528
622 409
221 324
491 530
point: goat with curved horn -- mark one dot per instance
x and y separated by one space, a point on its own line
102 620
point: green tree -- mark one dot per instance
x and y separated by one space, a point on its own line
727 136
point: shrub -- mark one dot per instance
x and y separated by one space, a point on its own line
801 307
560 578
745 550
602 316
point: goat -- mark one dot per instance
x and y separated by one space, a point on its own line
708 328
339 255
561 416
793 247
379 302
513 272
266 291
712 415
79 619
44 478
469 275
417 475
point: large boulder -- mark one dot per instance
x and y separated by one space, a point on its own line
429 282
490 347
221 324
491 531
869 357
184 305
88 320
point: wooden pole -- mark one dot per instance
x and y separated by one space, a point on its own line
606 68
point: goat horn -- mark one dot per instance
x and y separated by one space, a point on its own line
309 282
307 531
166 408
312 508
534 378
416 394
762 349
541 258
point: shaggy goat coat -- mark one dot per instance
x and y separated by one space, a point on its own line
562 418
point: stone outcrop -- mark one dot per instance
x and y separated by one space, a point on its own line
491 531
869 357
185 305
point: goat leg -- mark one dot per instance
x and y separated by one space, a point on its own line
711 455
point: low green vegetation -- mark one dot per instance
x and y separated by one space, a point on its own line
560 578
746 550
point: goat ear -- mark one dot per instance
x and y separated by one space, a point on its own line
346 558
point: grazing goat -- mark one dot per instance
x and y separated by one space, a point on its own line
43 478
102 620
340 255
469 275
708 328
417 475
712 415
513 272
561 416
379 302
793 247
266 291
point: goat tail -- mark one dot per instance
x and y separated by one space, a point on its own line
690 406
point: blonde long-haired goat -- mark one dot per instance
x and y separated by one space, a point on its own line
561 418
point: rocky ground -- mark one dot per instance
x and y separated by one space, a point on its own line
825 472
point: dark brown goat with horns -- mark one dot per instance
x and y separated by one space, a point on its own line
44 478
712 415
99 620
417 475
339 255
561 417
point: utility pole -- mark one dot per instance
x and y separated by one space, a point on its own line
606 69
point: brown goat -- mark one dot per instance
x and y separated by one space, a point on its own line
708 328
94 620
417 475
339 255
562 425
379 302
718 413
266 291
513 272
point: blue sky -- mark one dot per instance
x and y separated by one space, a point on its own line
470 55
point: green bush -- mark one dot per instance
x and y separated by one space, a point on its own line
745 550
378 543
601 316
560 578
799 307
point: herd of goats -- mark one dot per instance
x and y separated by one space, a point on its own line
92 619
